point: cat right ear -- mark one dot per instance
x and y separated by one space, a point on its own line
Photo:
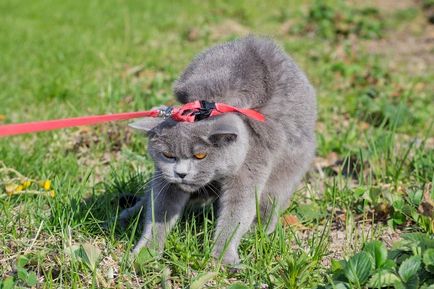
146 124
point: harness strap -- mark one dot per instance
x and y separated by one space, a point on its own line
189 112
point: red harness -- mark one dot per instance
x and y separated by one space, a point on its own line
189 112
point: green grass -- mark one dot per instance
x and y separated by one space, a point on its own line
70 58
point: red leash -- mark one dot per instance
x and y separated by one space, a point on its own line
190 112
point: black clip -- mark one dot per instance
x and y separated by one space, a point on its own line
204 111
165 112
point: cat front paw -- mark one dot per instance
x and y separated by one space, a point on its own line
136 250
154 247
123 222
230 257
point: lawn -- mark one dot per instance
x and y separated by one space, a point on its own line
370 189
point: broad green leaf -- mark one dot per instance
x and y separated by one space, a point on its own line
22 261
403 245
72 251
238 286
201 280
416 237
22 274
398 218
378 252
409 268
145 255
339 285
398 205
81 256
86 253
415 197
428 257
309 213
389 264
429 268
337 265
92 254
358 268
399 285
382 279
427 243
32 279
412 283
8 283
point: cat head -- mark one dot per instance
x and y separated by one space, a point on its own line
192 155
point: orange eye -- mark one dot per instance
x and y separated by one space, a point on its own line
200 156
168 155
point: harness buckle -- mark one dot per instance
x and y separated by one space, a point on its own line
165 112
204 111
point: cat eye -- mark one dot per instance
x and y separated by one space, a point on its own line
200 156
168 155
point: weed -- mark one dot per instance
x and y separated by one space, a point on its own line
338 20
409 264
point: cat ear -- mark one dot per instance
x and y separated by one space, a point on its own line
146 124
223 134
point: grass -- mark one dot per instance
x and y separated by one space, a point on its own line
372 179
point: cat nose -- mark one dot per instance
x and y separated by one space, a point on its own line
181 175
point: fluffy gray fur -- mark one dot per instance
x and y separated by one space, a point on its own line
244 156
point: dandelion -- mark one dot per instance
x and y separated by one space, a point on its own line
13 189
46 185
52 193
26 184
10 189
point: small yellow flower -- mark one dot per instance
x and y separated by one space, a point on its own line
26 184
52 193
11 189
46 185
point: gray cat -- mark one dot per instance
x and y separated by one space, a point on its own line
231 158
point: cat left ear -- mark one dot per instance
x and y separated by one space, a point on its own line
223 135
146 124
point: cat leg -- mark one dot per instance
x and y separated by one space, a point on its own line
127 213
276 195
237 210
278 190
164 206
269 210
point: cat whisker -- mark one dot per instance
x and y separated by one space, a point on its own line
149 181
161 190
214 190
